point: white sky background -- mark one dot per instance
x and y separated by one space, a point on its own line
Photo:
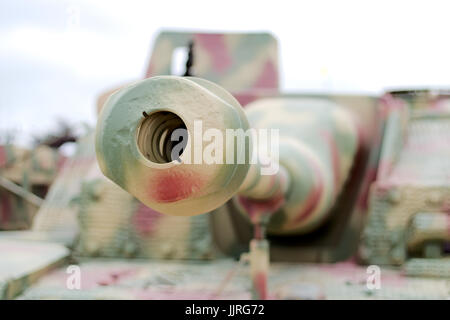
54 62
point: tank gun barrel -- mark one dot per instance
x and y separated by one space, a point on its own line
184 146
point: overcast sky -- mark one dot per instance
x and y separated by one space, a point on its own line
57 56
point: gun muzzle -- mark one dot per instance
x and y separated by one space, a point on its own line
184 146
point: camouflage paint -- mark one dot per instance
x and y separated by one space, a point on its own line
30 169
317 147
128 279
174 188
239 62
87 195
318 142
408 209
58 212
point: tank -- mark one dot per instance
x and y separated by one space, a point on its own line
205 181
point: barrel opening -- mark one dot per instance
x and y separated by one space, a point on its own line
162 137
